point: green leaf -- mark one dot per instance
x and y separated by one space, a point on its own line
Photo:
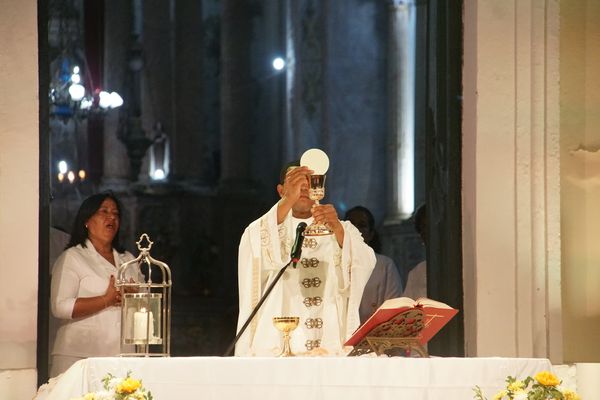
478 393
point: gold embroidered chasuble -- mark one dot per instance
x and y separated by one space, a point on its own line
324 290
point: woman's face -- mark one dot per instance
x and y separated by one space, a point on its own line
104 224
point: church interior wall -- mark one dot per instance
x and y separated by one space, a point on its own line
580 169
19 149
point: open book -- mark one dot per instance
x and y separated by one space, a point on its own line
404 317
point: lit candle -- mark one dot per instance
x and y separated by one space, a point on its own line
140 325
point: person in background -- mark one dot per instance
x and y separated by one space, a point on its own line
416 284
83 293
385 281
325 288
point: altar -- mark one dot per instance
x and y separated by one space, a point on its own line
301 378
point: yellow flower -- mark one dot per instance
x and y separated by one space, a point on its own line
89 396
547 378
128 385
547 386
570 395
516 386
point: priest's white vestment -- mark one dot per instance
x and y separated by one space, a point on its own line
324 290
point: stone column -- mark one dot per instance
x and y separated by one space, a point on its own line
172 82
157 77
288 148
187 132
117 17
236 91
401 139
399 238
268 109
511 180
237 195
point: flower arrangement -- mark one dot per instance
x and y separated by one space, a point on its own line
115 388
544 386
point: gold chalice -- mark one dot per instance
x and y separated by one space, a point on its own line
316 192
286 325
316 160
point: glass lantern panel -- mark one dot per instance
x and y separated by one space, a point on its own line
141 318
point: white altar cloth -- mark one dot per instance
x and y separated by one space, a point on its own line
301 378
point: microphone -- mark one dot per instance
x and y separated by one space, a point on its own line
297 247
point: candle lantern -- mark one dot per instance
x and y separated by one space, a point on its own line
145 305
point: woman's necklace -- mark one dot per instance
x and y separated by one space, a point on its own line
108 256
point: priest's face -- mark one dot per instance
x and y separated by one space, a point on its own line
302 207
296 186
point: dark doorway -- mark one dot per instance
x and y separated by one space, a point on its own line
443 159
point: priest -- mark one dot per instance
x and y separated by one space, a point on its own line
325 288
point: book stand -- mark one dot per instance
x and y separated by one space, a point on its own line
396 346
399 336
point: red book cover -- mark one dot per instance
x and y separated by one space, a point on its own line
405 317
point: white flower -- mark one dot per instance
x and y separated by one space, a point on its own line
126 388
520 396
113 382
104 395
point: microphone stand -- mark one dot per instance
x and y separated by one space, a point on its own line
257 307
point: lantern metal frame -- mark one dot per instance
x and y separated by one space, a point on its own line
145 293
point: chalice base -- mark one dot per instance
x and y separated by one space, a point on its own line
287 351
317 230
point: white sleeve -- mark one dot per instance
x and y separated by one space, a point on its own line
64 287
393 280
260 257
358 261
246 290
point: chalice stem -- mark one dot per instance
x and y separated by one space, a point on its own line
287 350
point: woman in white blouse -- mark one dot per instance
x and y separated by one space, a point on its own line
83 293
